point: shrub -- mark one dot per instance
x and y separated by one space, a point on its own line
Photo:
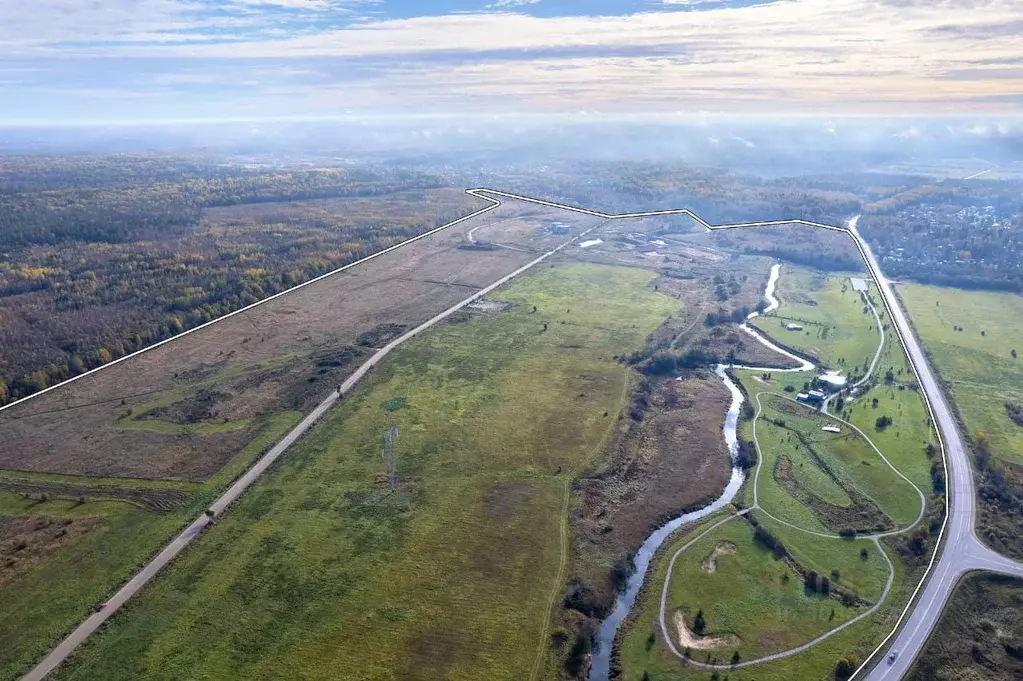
577 655
845 668
699 624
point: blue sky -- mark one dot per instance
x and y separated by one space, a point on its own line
150 60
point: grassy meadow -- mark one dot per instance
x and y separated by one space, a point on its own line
757 591
50 598
837 329
322 571
977 362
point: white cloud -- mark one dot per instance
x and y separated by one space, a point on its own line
506 4
815 55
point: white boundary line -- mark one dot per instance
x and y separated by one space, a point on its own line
87 627
495 204
481 193
877 275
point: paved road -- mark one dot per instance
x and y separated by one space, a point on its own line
962 550
162 559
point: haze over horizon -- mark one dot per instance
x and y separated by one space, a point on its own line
157 60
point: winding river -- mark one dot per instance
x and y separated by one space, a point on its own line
600 669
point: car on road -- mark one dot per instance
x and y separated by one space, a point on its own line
891 656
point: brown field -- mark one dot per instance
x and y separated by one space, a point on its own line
25 541
797 243
135 418
670 459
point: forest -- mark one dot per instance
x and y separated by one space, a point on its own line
100 257
951 234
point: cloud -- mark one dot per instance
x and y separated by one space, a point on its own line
833 56
506 4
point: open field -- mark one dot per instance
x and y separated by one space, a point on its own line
751 595
201 409
976 363
979 635
281 355
642 650
451 574
837 329
53 582
972 338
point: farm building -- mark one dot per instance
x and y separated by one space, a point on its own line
831 429
811 397
794 327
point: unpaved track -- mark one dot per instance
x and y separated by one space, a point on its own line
196 528
962 551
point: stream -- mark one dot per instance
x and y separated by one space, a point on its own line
601 666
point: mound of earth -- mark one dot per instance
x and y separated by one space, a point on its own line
687 639
710 563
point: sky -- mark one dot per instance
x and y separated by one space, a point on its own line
69 61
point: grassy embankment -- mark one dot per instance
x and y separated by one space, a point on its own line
321 571
820 491
65 581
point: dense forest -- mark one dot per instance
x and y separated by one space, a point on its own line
100 257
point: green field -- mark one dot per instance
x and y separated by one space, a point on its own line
827 471
977 362
48 600
321 571
818 481
836 327
755 592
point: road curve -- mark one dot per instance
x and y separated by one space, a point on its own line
89 626
962 551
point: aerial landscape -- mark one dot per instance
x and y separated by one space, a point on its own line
511 340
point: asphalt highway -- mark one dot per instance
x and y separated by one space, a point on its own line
962 550
961 553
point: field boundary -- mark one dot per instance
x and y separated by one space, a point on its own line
126 591
435 230
850 231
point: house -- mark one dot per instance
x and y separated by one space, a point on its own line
559 228
811 397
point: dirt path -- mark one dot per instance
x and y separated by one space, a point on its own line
198 526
